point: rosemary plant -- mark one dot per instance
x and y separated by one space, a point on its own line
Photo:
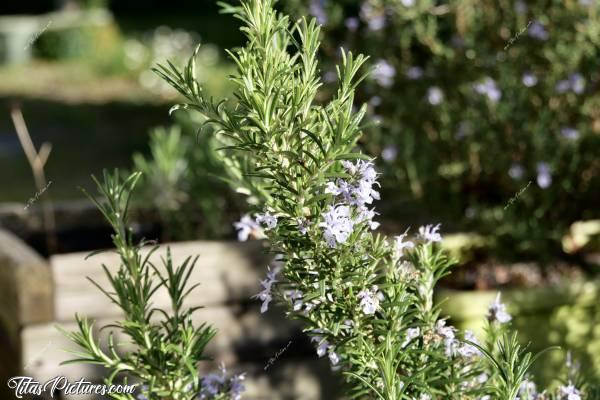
365 300
162 350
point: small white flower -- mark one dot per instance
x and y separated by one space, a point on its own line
265 295
322 348
529 79
435 96
569 392
467 350
369 300
569 133
247 227
430 233
400 244
544 176
489 88
270 221
528 389
334 357
389 153
352 24
337 225
384 73
303 225
497 312
516 171
411 333
538 31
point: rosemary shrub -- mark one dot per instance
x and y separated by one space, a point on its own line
365 300
162 350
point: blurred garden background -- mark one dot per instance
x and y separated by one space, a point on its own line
484 116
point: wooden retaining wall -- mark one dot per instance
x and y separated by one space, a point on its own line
37 296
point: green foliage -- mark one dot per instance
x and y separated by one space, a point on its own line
367 302
162 348
180 182
466 154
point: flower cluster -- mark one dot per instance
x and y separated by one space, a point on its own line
218 384
266 295
354 196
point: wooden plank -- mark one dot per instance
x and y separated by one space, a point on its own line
226 271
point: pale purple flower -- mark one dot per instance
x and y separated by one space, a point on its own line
296 297
497 312
400 244
265 295
267 219
322 348
212 383
389 153
247 227
384 73
520 7
529 79
411 333
218 384
468 350
303 225
516 171
352 24
340 188
538 31
544 176
364 193
316 8
374 18
447 334
569 392
369 300
435 96
337 225
528 389
361 192
141 396
237 386
577 83
586 2
489 88
366 215
334 358
377 22
414 73
562 86
569 133
430 233
407 3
